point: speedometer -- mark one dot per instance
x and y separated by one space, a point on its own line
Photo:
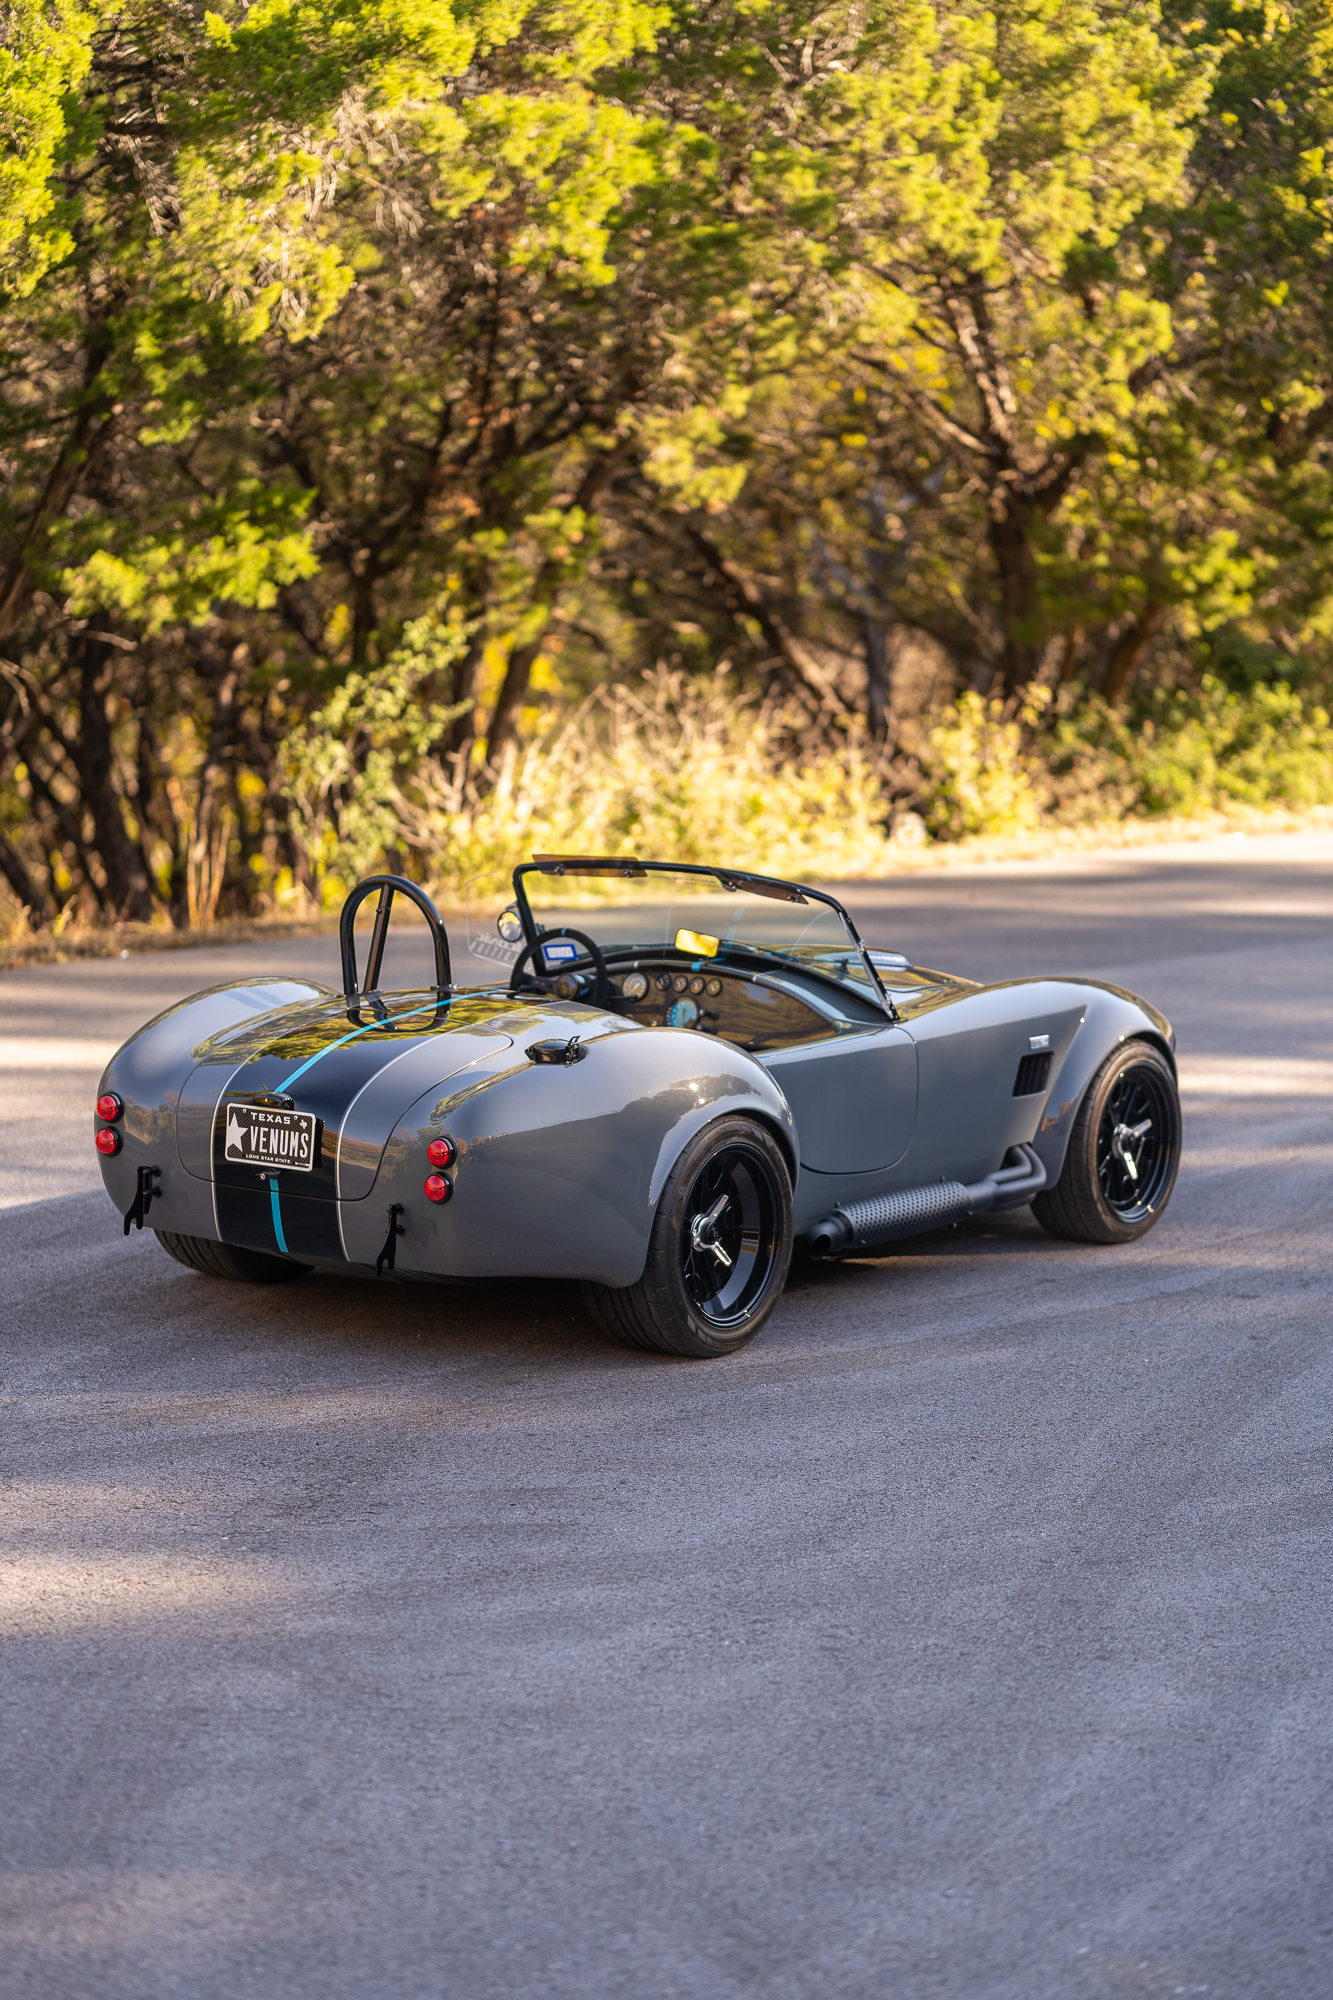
635 986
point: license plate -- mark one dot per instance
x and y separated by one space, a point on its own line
258 1137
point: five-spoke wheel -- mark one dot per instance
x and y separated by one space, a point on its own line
1123 1152
719 1251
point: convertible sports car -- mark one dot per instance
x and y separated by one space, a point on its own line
661 1099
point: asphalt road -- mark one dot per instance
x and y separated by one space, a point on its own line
967 1638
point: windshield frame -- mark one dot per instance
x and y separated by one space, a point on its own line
632 869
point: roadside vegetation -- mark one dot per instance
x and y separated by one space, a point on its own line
429 435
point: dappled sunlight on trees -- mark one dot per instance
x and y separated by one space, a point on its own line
896 408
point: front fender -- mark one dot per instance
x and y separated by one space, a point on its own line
1112 1016
559 1170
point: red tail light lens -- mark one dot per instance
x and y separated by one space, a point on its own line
110 1106
441 1152
438 1188
107 1142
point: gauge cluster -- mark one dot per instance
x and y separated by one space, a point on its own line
746 1011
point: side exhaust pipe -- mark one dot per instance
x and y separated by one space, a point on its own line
860 1225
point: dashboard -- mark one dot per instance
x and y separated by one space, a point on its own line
754 1011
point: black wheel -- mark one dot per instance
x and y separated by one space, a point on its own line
1123 1153
521 981
719 1251
224 1260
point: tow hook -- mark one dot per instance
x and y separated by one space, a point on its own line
147 1187
388 1254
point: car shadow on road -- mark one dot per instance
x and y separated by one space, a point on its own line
162 1322
546 1318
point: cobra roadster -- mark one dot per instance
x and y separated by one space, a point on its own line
673 1076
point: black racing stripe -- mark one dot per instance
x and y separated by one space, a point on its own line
329 1085
327 1090
245 1219
311 1228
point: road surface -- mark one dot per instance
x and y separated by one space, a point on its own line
966 1638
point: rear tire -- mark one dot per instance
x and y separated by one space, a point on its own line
1124 1152
225 1260
719 1251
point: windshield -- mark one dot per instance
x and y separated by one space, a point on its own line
627 905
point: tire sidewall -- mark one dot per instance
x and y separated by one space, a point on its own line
1132 1055
664 1257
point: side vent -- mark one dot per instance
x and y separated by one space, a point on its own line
1033 1074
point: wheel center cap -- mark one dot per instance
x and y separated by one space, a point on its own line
703 1231
1126 1136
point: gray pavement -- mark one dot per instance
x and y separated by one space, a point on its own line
968 1636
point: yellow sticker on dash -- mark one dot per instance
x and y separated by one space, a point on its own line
698 942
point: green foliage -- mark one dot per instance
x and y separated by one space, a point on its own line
1001 771
676 768
44 56
1200 752
981 777
383 381
350 771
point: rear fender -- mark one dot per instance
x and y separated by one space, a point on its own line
1112 1016
559 1169
148 1074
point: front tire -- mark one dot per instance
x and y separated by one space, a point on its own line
224 1260
719 1251
1124 1152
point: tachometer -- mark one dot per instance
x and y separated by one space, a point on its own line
635 986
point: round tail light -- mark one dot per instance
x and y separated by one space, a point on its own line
438 1188
107 1142
110 1106
441 1152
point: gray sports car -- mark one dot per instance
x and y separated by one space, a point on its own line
674 1076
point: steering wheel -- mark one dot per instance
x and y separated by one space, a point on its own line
601 985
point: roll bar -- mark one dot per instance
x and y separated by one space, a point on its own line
389 886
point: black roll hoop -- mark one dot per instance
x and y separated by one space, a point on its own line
389 886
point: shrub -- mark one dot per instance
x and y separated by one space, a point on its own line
980 775
1184 753
677 770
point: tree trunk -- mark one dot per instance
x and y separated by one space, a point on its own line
206 863
30 895
799 673
502 734
1073 646
129 891
91 422
67 821
879 711
1011 545
459 735
1127 654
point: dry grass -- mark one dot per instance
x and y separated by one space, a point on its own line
684 771
21 945
24 947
